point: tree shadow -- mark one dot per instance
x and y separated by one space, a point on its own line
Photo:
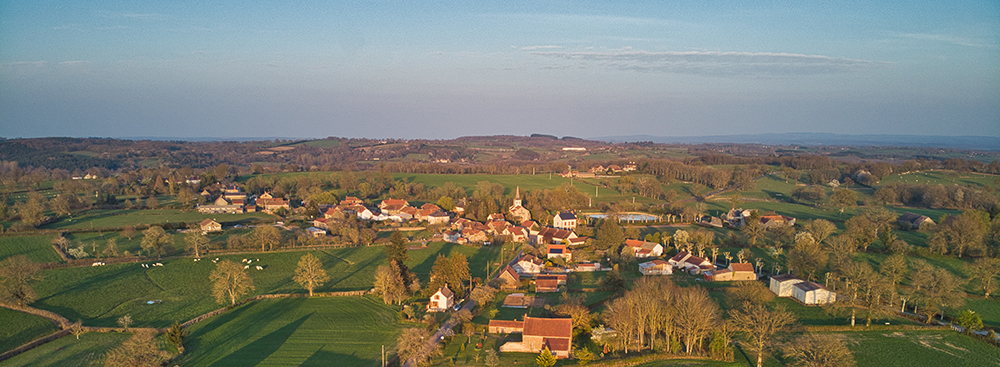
257 351
326 358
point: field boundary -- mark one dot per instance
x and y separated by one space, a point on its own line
32 344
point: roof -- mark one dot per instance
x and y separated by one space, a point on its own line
634 243
741 267
547 283
509 270
566 216
445 291
507 324
207 222
555 233
912 217
558 344
680 256
808 286
784 277
547 327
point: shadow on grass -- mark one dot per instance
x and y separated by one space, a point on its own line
325 358
257 351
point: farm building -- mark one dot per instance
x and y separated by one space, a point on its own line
546 285
505 326
913 220
810 293
209 225
538 333
316 232
782 284
735 271
442 300
656 267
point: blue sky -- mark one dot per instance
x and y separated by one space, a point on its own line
440 69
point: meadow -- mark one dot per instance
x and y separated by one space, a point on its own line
119 218
328 331
919 348
17 328
180 290
69 352
38 248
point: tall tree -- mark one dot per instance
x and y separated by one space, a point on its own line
753 229
141 350
196 241
759 323
389 284
17 273
609 235
155 239
941 291
844 198
820 229
894 268
230 281
697 315
310 273
985 271
819 350
266 236
806 257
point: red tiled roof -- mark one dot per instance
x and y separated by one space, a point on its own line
557 344
507 324
546 327
680 256
741 267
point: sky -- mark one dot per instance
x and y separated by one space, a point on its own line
443 69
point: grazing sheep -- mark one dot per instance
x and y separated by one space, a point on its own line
257 260
246 266
158 264
243 261
260 267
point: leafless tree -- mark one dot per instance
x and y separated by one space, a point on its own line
310 273
758 324
985 271
17 273
697 315
141 350
819 350
230 281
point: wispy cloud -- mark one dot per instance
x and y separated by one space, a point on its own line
540 47
130 15
955 40
27 63
74 62
716 63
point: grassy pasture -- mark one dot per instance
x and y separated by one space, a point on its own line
100 295
943 177
334 331
920 348
36 248
68 352
17 328
118 218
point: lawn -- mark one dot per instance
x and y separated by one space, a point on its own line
946 178
69 352
988 310
333 331
36 248
17 328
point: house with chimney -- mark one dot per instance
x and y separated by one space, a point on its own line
442 300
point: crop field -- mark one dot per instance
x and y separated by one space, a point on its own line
180 290
118 218
330 331
17 328
36 248
69 352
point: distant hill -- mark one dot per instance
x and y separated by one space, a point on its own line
957 142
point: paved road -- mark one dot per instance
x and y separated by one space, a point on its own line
441 331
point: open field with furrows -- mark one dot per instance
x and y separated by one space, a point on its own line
17 328
180 290
917 348
118 218
331 331
69 352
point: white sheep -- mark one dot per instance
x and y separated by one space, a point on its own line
95 264
158 264
260 267
246 266
243 261
257 260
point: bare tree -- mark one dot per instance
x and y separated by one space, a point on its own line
697 315
806 256
942 290
155 239
141 350
985 271
310 273
17 273
196 241
390 284
77 329
128 232
410 345
230 281
820 229
819 350
266 236
758 323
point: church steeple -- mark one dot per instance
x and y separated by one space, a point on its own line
517 197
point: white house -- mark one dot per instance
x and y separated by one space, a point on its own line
643 249
529 264
442 300
564 220
782 284
316 232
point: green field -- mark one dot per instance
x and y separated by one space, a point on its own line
920 348
118 218
69 352
36 248
100 295
946 178
332 331
17 328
